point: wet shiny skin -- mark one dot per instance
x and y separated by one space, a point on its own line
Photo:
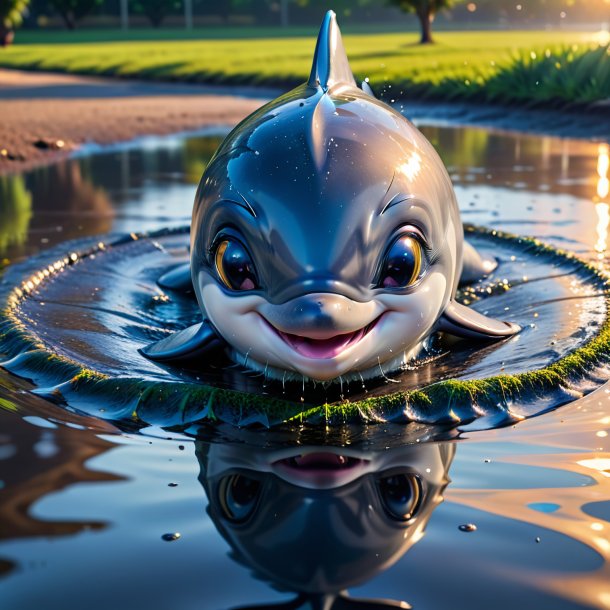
322 232
242 321
314 194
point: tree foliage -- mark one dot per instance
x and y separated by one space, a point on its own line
425 10
11 12
11 16
157 10
72 11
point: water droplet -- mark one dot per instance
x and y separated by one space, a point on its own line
537 539
171 536
467 527
172 484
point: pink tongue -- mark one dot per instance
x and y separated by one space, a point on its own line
321 348
319 459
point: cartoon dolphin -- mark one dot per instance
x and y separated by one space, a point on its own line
326 239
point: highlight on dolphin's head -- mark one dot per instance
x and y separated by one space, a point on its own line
321 519
326 239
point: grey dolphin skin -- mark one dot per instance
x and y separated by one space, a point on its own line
318 520
326 239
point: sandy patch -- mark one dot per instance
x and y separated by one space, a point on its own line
46 116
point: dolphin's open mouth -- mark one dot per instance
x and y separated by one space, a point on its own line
320 469
319 460
324 348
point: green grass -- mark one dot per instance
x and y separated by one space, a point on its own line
81 35
407 24
500 66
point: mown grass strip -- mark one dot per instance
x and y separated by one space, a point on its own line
543 67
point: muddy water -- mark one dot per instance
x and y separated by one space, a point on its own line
84 506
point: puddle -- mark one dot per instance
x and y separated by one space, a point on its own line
86 499
76 324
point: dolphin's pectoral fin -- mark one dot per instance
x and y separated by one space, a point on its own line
462 321
197 342
178 279
475 266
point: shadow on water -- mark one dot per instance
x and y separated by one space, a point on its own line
310 511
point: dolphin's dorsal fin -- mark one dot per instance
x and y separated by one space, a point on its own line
330 65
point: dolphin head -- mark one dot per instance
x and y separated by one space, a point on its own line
326 239
326 236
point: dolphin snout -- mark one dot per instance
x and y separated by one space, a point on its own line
320 316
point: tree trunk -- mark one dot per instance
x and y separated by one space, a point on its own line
284 13
69 19
224 10
425 17
6 36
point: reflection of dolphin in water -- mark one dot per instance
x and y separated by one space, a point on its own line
326 237
317 520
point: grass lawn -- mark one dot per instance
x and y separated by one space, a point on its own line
56 36
508 66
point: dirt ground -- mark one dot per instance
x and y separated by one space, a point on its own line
44 117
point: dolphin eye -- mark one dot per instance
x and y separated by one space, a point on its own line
238 497
234 266
402 264
401 495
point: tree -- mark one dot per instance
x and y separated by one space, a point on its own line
426 11
157 10
72 11
11 15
